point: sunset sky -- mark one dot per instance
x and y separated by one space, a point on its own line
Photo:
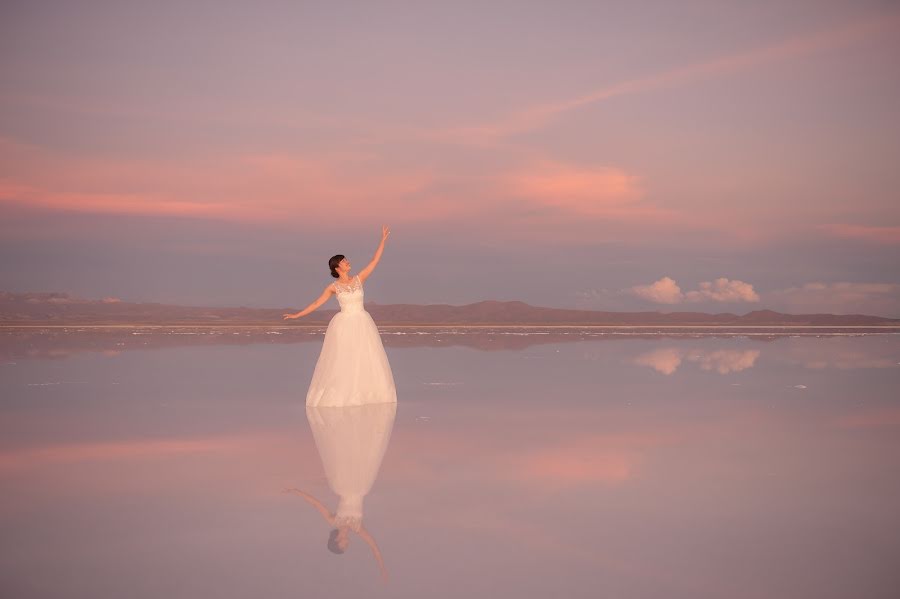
696 155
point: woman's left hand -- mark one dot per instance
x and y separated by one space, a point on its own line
385 232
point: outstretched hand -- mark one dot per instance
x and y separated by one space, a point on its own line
385 232
289 316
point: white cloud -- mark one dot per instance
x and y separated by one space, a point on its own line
667 291
724 361
666 360
881 299
723 290
663 291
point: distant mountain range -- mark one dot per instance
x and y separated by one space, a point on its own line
61 308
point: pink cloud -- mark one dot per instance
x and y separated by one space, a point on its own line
293 190
663 291
725 361
798 46
569 466
588 190
667 291
270 188
116 451
885 235
667 360
874 418
113 203
664 360
723 290
574 192
585 459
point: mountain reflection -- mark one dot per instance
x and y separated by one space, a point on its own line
351 442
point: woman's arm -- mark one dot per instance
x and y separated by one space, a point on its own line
364 534
322 299
315 503
364 273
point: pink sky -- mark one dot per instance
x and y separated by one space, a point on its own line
598 156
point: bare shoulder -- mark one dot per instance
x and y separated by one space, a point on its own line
329 288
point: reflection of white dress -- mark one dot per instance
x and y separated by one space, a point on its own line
351 443
353 368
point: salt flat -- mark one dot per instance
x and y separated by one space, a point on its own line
520 463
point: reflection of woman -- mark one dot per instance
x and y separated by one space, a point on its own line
351 443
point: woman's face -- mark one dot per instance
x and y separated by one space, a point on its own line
344 265
343 538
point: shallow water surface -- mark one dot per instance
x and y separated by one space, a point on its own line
520 465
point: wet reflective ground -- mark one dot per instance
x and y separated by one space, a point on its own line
514 465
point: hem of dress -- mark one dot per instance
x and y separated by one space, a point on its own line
352 403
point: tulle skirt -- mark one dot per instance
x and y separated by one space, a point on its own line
353 368
351 442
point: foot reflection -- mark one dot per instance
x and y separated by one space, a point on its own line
351 443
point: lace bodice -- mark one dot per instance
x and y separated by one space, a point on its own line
349 512
349 295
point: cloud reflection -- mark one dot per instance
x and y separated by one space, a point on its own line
666 360
604 459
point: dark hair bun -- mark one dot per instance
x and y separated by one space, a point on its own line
333 264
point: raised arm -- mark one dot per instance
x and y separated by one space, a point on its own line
364 273
370 540
322 299
315 503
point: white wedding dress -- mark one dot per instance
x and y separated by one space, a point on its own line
353 369
351 442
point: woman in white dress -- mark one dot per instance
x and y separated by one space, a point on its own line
353 368
352 442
